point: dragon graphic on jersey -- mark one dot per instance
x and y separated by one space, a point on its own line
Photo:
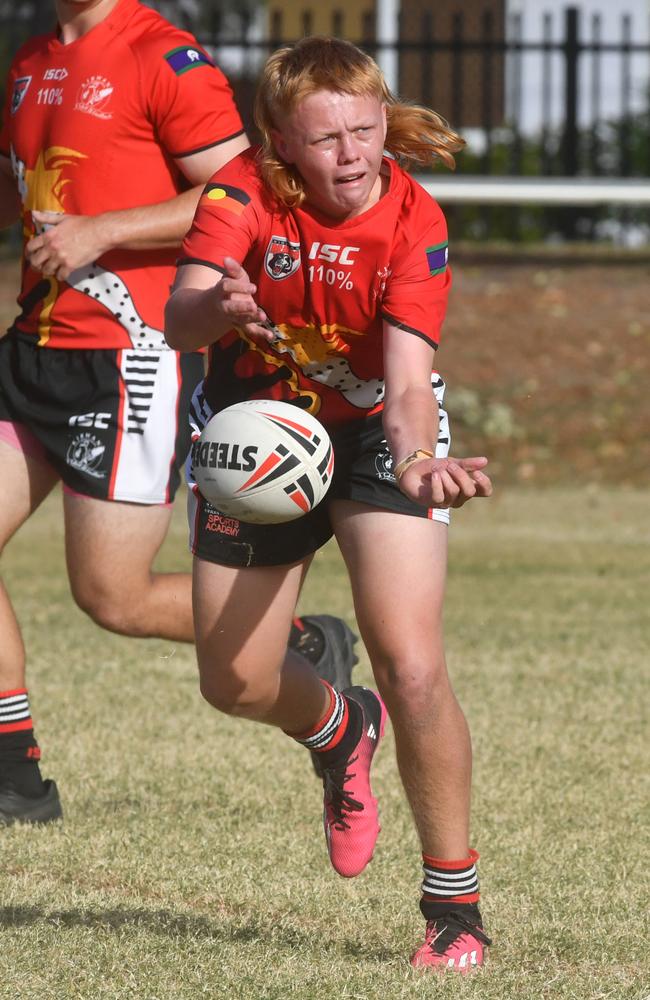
311 349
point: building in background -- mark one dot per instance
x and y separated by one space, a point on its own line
354 19
449 60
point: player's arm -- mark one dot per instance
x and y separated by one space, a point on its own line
72 241
410 422
9 197
206 303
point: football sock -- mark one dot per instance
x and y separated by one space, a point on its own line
448 884
19 751
339 730
307 639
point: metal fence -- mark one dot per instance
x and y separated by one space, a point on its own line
530 105
571 100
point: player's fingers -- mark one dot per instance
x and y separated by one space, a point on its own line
483 484
231 286
437 490
39 258
33 245
234 269
452 493
471 464
47 218
463 479
257 330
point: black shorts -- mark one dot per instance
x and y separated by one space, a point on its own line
363 471
111 422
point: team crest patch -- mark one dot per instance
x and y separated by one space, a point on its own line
185 58
282 258
21 86
437 257
93 96
384 465
223 196
85 453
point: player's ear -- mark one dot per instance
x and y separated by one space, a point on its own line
281 146
384 118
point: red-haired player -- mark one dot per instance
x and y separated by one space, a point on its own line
316 271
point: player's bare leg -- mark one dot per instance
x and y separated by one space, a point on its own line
242 618
110 550
398 604
24 484
242 621
25 481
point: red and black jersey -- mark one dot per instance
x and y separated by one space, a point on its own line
96 125
327 286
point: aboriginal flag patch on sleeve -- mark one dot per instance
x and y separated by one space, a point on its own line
437 258
230 199
185 58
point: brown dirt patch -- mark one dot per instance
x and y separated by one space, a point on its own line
547 364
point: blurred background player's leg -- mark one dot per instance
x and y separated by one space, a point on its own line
110 550
26 478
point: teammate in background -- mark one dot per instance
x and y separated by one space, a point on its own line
322 237
112 125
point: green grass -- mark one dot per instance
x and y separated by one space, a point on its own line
192 864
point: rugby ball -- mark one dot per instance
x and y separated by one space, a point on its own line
262 461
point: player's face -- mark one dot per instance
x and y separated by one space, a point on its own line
336 142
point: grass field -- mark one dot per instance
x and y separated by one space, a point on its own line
192 864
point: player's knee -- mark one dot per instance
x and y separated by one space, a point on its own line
225 690
411 686
109 608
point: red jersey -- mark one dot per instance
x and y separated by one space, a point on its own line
327 286
95 125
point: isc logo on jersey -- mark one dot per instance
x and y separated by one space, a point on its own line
55 74
333 253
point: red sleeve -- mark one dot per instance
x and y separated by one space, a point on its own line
227 219
187 97
415 299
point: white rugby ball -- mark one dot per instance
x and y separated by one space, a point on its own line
263 461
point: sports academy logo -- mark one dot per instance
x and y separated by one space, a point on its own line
85 453
282 258
93 96
21 86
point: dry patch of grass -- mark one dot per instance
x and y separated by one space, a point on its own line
191 863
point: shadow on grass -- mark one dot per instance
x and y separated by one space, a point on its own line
175 925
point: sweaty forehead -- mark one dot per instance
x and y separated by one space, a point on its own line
327 110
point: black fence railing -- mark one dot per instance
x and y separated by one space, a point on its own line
568 102
568 96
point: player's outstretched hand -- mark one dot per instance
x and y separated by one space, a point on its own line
446 482
234 299
64 242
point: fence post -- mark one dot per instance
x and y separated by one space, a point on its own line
570 135
569 148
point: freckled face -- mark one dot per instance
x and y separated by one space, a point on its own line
336 142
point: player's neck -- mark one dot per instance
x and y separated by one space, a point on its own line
77 19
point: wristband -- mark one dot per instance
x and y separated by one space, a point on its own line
407 462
